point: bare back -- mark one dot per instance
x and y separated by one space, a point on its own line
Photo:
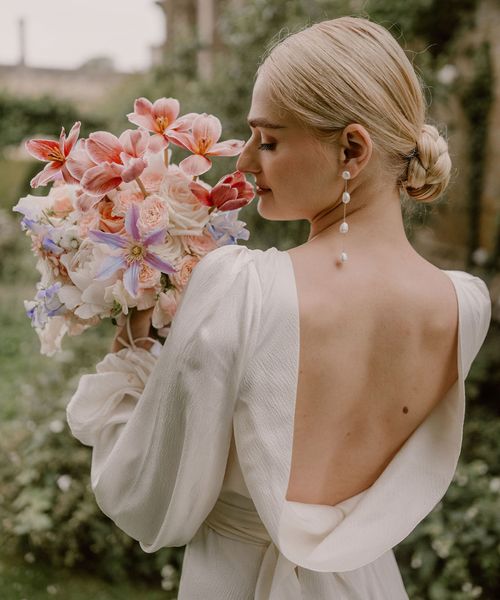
378 350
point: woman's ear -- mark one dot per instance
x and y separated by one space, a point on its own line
355 148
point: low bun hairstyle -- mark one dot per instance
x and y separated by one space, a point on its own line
350 70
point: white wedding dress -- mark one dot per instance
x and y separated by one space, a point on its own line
194 447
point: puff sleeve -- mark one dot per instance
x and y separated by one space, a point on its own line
161 427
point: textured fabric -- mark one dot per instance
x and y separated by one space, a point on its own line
187 444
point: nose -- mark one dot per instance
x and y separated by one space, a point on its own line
248 159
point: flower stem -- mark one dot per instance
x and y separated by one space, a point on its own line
165 156
141 187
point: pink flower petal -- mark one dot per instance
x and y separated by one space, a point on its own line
103 146
101 179
182 139
157 143
49 173
206 128
143 115
72 137
168 108
41 149
134 142
79 161
233 204
227 148
85 202
133 168
66 175
201 193
184 123
223 193
195 165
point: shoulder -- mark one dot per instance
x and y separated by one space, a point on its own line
473 292
231 262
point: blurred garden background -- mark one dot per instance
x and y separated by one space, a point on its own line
53 540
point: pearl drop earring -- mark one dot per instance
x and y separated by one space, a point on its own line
344 227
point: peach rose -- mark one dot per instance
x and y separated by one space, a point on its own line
177 186
153 213
148 277
201 244
108 221
183 274
123 199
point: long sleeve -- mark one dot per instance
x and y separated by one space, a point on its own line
161 428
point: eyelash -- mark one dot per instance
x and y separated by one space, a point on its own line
267 146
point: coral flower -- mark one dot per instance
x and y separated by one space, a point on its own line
229 193
55 153
117 159
160 118
203 142
135 251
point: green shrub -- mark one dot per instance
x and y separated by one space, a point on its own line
454 554
48 512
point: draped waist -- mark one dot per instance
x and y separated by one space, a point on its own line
234 516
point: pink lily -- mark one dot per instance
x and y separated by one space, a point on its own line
117 159
135 251
55 153
203 142
229 193
161 118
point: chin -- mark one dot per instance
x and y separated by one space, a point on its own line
271 212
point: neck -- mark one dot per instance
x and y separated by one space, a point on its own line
374 218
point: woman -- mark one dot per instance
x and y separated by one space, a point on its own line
306 410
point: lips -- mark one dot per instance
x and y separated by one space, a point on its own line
262 190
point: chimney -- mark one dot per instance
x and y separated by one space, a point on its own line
22 42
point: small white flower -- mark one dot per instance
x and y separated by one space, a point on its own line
471 512
56 426
29 557
495 484
416 561
64 482
168 571
447 74
52 590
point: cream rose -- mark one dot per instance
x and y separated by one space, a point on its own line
165 308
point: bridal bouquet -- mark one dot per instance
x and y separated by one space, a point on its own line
122 227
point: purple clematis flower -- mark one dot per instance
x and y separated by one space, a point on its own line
135 251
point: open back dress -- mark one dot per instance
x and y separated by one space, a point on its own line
192 445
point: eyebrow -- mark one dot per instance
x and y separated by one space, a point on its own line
264 123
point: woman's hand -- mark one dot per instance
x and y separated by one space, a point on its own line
140 327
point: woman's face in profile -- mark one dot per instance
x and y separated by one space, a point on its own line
297 175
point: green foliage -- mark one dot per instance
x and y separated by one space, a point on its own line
477 98
21 118
454 554
48 508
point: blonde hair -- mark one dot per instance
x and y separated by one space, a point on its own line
350 70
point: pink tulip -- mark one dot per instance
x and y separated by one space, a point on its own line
202 142
117 159
55 153
231 192
79 162
161 118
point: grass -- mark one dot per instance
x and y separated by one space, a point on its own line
20 580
